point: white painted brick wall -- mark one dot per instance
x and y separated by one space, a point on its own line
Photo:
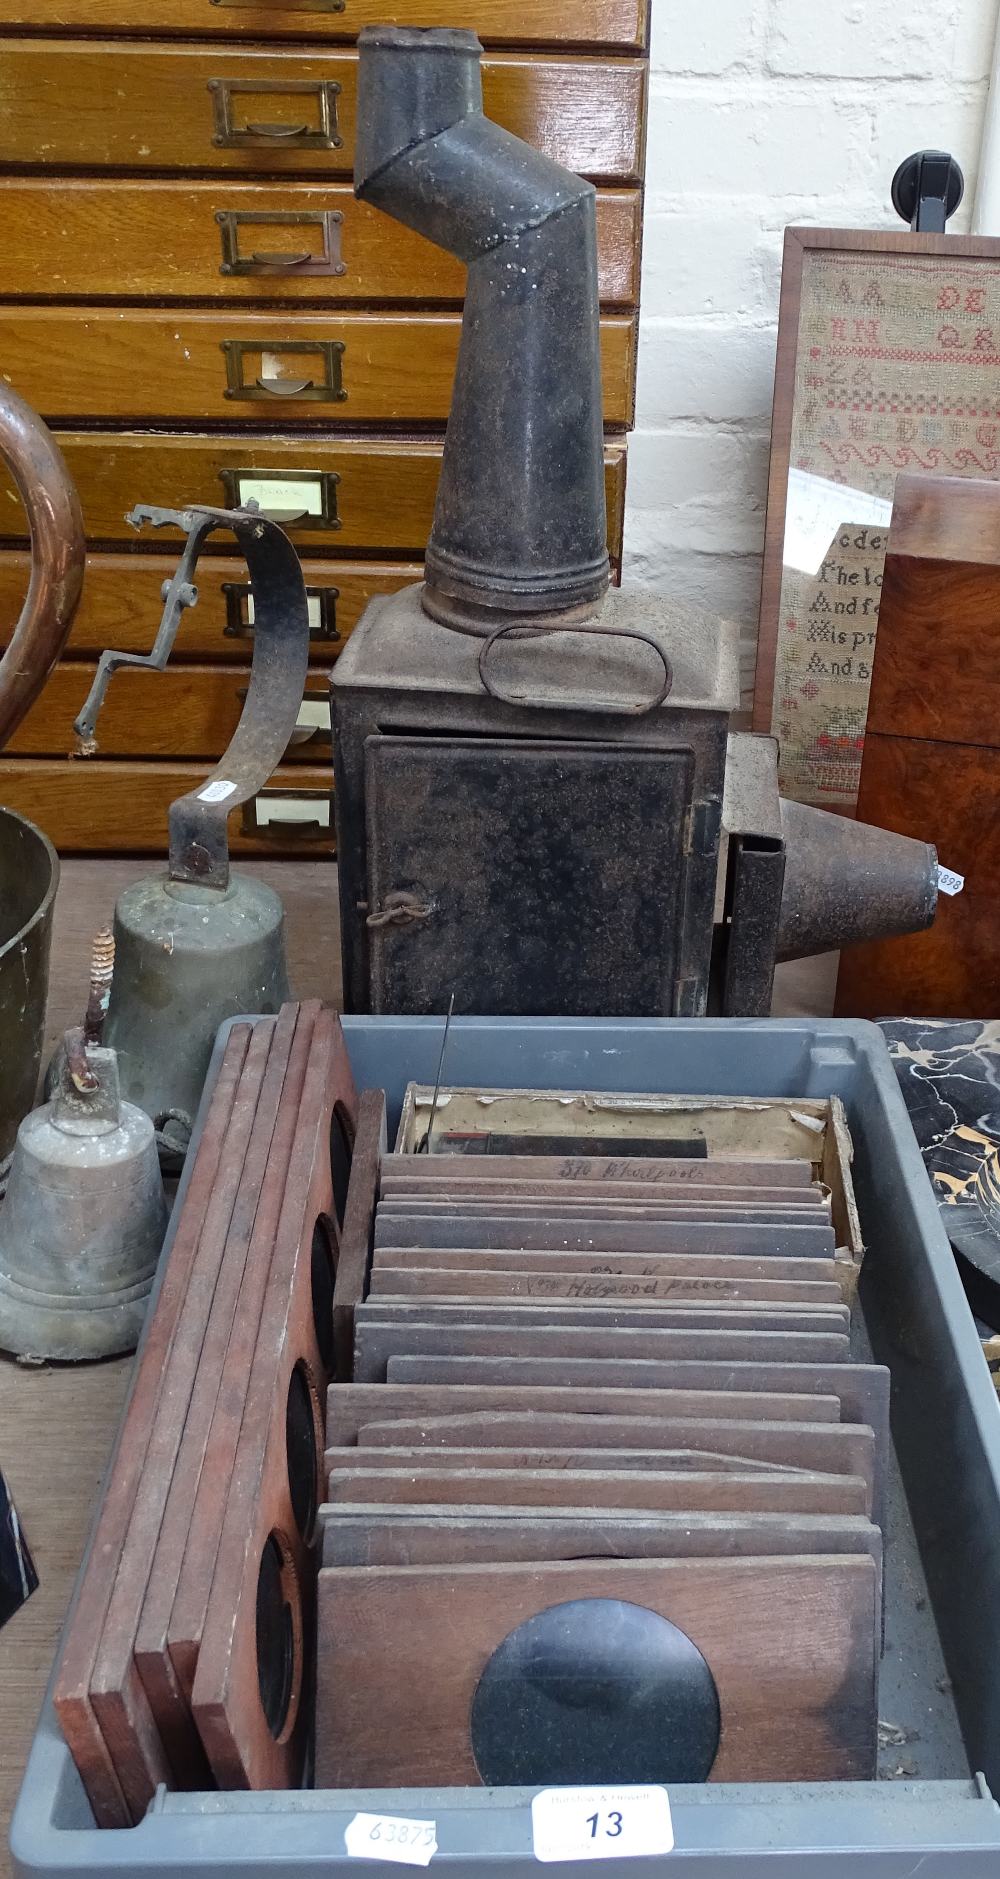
764 113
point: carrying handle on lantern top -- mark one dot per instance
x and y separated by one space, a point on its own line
606 707
55 524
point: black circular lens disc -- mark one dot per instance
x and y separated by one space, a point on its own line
595 1690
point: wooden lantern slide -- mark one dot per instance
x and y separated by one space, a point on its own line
742 1489
83 1631
253 1714
706 1204
690 1314
419 1460
327 1063
640 1170
632 1279
377 1344
620 1383
372 1533
189 1529
671 1236
804 1711
128 1722
352 1407
354 1263
821 1445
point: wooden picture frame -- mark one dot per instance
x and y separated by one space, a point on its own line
867 384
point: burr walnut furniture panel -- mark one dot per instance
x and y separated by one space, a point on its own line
932 751
952 792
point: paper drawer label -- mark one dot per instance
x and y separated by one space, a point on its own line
313 604
279 495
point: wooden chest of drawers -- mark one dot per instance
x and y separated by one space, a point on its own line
196 303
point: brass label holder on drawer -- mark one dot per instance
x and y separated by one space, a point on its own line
322 604
310 495
282 815
296 261
329 389
324 134
313 724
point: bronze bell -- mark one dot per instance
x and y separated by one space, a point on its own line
197 944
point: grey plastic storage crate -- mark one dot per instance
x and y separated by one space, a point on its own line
932 1812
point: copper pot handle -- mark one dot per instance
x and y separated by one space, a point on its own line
55 524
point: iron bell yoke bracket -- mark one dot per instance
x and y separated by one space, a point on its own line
197 822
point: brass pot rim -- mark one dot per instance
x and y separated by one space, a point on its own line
48 897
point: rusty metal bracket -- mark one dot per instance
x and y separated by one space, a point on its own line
603 706
199 847
401 909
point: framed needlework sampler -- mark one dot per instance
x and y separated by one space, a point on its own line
888 360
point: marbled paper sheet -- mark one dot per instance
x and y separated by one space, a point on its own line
898 368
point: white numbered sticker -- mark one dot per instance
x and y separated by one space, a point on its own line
949 882
387 1836
601 1823
216 792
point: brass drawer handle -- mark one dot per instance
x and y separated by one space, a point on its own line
312 726
321 602
298 260
230 134
278 132
286 387
288 6
295 498
329 389
280 260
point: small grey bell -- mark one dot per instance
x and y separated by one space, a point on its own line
84 1218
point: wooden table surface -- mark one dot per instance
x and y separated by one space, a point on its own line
57 1422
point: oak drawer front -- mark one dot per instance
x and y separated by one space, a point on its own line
333 494
227 240
609 23
122 605
121 808
185 711
337 368
107 104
